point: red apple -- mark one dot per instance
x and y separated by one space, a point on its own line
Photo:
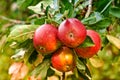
87 52
72 32
63 60
45 39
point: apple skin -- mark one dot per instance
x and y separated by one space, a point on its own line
45 39
87 52
63 59
72 32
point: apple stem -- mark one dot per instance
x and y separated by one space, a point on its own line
63 76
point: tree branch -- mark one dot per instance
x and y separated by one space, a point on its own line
89 9
12 20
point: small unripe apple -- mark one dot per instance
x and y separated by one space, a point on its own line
87 52
45 39
72 32
63 59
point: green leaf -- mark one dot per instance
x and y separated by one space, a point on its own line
114 40
83 71
41 6
67 6
87 43
19 54
32 57
76 2
88 74
97 21
50 72
50 21
41 69
115 11
93 19
72 77
80 65
101 4
23 51
76 73
20 33
24 3
84 75
103 24
58 16
29 51
117 3
39 21
56 4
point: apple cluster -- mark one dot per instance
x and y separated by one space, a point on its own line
61 41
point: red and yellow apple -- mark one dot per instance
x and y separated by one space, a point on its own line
87 52
72 32
63 59
45 39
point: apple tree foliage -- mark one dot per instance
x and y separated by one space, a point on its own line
103 17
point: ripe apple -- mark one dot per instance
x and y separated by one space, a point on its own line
45 39
87 52
72 32
63 59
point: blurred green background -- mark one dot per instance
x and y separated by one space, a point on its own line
104 67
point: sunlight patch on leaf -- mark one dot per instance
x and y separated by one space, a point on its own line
41 6
19 54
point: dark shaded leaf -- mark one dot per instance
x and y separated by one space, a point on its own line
24 3
50 72
67 6
100 4
83 71
115 11
33 57
29 51
117 3
82 74
41 69
103 24
80 65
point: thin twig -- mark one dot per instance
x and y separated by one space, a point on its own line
63 76
89 9
12 20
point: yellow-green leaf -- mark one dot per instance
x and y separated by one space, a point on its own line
96 62
114 40
20 33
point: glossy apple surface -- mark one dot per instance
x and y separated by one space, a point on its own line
87 52
72 32
45 39
63 60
